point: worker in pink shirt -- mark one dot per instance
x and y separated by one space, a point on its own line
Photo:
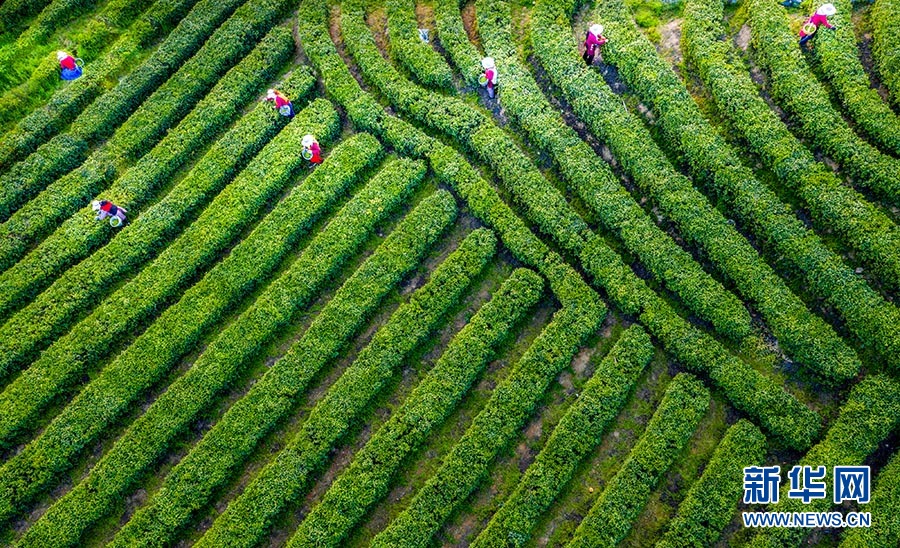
815 21
489 78
105 208
592 42
69 69
311 150
282 104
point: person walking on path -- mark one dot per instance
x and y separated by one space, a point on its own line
592 41
489 78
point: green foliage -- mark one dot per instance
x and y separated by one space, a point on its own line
179 328
746 388
672 425
576 435
463 53
13 12
838 58
885 508
793 85
594 182
248 517
871 412
54 309
424 63
148 437
367 478
189 486
885 18
710 503
142 130
833 206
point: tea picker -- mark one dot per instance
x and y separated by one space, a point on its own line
70 67
819 18
593 39
311 150
282 103
489 78
105 208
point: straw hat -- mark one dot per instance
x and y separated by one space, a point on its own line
308 140
827 10
487 63
60 55
596 29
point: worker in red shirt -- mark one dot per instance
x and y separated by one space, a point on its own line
592 42
311 150
69 69
282 103
489 78
815 21
105 208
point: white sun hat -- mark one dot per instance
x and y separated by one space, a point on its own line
827 10
308 140
270 94
95 205
596 29
487 63
60 55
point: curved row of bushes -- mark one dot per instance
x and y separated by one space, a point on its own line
710 504
594 182
249 516
101 117
885 20
413 54
545 203
871 412
885 508
838 59
148 437
179 328
833 206
673 423
748 390
804 336
143 129
147 233
796 89
576 435
368 477
464 55
512 401
189 485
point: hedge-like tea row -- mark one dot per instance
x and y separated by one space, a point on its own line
133 88
510 405
671 427
708 154
885 508
455 41
576 435
148 437
13 12
545 204
833 205
710 503
83 233
803 335
419 58
594 182
142 130
746 388
871 412
793 85
249 516
228 214
75 289
222 450
838 59
885 20
367 479
201 307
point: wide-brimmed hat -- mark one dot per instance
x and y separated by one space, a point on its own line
308 140
270 94
827 10
60 55
487 63
596 29
95 205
